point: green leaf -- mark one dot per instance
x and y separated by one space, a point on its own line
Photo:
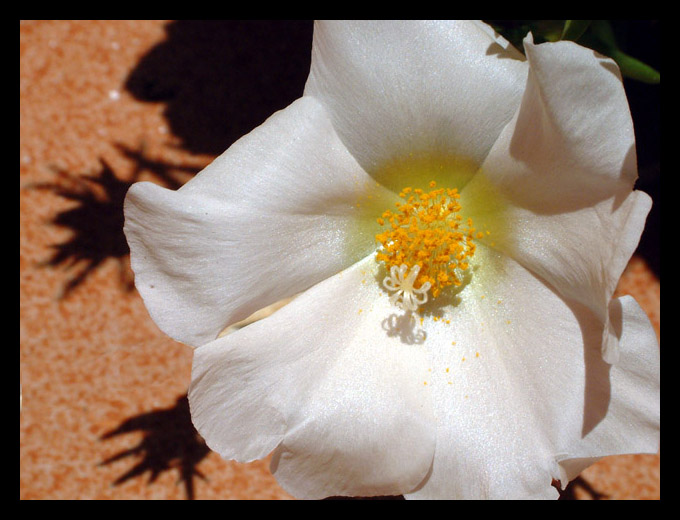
574 29
635 69
630 67
603 31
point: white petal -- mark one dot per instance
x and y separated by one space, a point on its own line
562 174
632 420
438 88
523 382
334 379
279 211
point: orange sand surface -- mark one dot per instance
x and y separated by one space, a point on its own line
105 104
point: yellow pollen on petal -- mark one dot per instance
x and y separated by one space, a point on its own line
428 231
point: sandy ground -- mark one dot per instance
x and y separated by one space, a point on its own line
105 104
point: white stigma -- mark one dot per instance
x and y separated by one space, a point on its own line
406 296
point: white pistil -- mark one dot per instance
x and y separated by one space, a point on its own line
406 296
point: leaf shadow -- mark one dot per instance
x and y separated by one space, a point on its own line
96 220
170 442
579 483
96 223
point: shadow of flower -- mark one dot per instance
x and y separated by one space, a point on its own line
219 79
170 442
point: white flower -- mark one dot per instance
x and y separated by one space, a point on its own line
523 367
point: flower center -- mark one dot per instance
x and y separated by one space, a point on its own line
427 245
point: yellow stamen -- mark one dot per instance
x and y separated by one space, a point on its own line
427 231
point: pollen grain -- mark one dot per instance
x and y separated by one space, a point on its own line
427 230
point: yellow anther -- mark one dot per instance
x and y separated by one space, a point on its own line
427 232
